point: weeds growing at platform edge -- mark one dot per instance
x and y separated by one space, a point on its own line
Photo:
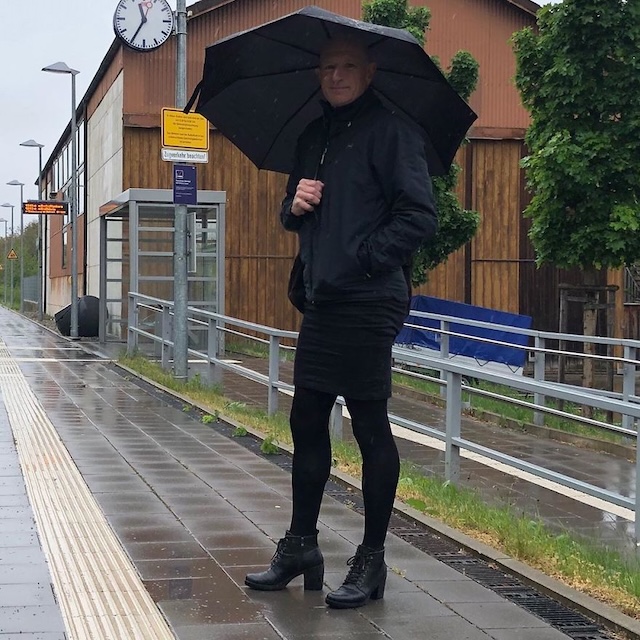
602 573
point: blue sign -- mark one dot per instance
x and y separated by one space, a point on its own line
184 184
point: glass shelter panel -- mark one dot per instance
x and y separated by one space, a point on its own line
150 270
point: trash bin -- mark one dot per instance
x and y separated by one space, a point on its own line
88 318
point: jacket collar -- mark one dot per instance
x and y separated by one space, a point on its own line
352 110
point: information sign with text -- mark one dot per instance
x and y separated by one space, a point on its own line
45 208
182 130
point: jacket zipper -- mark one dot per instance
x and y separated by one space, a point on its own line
315 215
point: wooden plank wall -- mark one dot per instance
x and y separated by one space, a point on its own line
495 248
448 280
495 270
486 272
259 253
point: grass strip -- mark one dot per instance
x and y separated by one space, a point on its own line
516 413
602 573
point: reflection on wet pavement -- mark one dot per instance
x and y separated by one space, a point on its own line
175 492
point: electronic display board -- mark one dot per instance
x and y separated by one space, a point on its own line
45 208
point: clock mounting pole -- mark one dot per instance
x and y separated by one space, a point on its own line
180 286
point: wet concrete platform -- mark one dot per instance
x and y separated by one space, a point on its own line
194 510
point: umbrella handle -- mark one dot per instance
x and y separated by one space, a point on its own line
194 97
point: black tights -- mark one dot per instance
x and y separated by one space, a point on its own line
312 461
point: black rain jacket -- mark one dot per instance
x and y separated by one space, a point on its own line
377 204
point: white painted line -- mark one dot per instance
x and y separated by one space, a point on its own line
574 494
61 360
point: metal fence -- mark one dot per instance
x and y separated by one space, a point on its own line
150 325
30 291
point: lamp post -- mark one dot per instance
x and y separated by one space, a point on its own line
33 143
17 183
61 67
8 204
4 264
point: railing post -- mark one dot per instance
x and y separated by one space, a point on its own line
274 373
336 430
539 365
637 506
132 322
444 352
453 415
165 332
213 371
628 383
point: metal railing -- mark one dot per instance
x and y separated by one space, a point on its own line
452 378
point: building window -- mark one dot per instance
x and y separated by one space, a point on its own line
65 245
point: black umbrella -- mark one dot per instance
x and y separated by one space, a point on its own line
259 87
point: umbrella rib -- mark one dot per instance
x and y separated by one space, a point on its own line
288 44
289 119
274 74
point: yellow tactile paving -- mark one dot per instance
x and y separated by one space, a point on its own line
100 593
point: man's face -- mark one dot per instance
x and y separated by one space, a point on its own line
344 73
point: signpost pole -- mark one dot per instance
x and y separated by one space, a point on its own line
180 278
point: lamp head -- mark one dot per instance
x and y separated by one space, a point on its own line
16 183
31 143
60 67
6 204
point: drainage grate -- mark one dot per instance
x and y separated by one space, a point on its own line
573 624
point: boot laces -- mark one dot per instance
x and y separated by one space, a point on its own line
280 550
358 565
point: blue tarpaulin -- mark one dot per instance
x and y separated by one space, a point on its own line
479 351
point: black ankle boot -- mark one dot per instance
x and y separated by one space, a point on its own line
366 579
294 556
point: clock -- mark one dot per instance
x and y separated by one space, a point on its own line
143 24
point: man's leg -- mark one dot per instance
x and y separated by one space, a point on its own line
380 466
380 470
309 420
298 552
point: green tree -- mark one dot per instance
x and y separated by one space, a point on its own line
579 76
30 258
456 225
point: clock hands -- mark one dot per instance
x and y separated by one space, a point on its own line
144 9
139 29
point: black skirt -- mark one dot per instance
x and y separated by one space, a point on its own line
344 348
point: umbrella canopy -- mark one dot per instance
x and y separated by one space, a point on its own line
260 89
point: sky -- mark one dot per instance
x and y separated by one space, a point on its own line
37 105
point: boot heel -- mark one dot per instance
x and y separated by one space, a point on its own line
313 578
378 592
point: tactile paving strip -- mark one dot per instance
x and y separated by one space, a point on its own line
99 591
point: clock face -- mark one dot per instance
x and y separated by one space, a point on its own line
143 24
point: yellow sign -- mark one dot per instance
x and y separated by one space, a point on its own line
184 130
12 255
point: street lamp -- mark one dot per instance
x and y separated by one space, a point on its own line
17 183
33 143
8 204
61 67
4 264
